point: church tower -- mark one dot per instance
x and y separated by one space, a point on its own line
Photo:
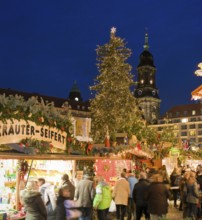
146 91
75 94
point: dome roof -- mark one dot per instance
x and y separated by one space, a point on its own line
75 93
146 58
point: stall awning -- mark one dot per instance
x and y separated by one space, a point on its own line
197 93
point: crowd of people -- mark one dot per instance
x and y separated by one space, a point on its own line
133 196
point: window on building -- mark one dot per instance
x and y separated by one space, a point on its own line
160 128
192 133
177 114
184 120
170 115
200 140
183 127
185 113
192 126
193 140
199 132
175 127
200 118
176 134
184 133
199 125
193 119
161 122
193 112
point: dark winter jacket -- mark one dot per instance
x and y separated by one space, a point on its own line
71 188
60 209
199 180
34 206
157 196
173 178
139 192
190 193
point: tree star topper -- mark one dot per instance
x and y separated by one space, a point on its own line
113 30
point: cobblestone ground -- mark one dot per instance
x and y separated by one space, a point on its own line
173 214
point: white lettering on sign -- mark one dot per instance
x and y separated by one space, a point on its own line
13 131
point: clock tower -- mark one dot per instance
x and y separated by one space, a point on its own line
146 91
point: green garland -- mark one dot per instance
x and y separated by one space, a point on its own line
39 111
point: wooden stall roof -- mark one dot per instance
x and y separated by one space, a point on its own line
197 93
53 157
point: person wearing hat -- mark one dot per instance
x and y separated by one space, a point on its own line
33 203
68 183
84 194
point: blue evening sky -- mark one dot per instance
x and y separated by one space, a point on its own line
46 45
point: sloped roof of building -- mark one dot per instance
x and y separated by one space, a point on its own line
58 102
184 110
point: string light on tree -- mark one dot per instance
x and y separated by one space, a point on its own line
114 108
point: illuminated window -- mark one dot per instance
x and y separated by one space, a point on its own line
192 133
193 112
142 81
184 120
175 134
151 81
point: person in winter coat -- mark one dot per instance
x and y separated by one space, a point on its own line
157 196
48 197
132 181
63 194
139 197
33 203
199 178
120 194
67 182
84 194
173 177
190 197
102 199
66 208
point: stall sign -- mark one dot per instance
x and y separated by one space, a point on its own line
174 152
13 131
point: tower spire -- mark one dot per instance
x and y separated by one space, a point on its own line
146 38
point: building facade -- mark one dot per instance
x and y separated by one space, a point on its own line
186 122
146 90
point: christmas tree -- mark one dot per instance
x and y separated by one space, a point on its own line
114 108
